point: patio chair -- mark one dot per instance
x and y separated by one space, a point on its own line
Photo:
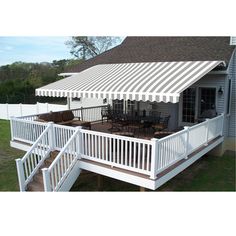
162 125
207 114
106 113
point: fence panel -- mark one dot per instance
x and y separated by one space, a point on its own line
17 110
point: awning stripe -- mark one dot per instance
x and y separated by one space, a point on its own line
151 81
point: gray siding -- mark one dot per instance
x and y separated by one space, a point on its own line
232 76
86 102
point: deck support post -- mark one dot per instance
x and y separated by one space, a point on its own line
20 173
142 189
154 158
99 182
187 141
46 180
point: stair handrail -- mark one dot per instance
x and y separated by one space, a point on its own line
53 176
30 163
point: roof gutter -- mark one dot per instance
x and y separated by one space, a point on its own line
67 74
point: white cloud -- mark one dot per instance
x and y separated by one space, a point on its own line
8 48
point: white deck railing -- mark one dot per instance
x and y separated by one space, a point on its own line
148 157
119 151
180 145
25 130
62 134
34 158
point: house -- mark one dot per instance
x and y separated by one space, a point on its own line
190 80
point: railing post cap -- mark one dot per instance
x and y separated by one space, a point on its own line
155 139
186 127
18 159
45 169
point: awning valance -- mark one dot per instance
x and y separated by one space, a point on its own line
152 81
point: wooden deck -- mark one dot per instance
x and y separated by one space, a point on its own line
106 127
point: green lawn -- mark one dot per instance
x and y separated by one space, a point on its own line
208 174
8 175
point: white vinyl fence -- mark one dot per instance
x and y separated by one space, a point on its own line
8 110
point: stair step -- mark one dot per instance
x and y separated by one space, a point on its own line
35 187
37 183
38 178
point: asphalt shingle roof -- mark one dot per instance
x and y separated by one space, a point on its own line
159 49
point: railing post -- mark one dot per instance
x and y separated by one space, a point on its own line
186 128
11 128
46 180
154 158
78 142
222 125
82 119
51 136
207 131
21 175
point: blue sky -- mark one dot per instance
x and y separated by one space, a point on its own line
33 49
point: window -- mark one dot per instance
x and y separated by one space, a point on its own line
130 107
207 99
118 105
188 113
229 97
76 99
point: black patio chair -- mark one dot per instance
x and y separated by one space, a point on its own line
207 114
162 125
106 113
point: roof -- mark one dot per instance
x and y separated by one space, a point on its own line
149 81
160 49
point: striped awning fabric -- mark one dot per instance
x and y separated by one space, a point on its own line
152 81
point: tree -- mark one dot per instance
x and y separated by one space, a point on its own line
85 47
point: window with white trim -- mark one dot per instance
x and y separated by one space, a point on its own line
189 101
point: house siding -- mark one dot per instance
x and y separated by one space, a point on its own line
86 102
232 76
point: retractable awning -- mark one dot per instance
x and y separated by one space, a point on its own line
152 81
